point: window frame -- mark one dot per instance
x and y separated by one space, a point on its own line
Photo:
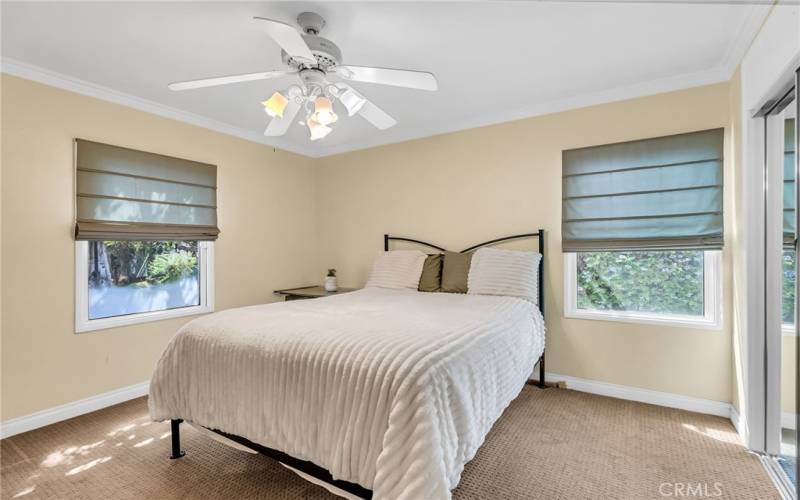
712 299
205 251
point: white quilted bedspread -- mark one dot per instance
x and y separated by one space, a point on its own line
392 389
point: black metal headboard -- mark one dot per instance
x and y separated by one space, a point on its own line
539 234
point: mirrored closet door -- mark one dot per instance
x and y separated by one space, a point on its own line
781 139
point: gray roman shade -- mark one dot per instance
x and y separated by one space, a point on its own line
789 204
658 193
124 194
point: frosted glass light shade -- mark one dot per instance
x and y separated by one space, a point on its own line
275 105
318 130
323 111
352 101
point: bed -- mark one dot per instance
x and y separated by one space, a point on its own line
381 393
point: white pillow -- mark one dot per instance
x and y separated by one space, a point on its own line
505 272
397 269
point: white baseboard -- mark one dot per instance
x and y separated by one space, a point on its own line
710 407
90 404
740 423
699 405
69 410
788 420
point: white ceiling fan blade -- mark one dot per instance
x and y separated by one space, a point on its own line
376 116
225 80
278 126
288 38
386 76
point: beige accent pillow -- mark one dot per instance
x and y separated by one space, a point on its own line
431 279
455 272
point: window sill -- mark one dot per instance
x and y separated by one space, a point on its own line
788 330
647 319
136 319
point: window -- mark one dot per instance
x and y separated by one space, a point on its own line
144 229
676 287
125 282
642 229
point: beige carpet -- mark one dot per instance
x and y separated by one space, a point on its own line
552 444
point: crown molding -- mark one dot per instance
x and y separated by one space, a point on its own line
723 72
734 53
38 74
65 82
673 83
747 32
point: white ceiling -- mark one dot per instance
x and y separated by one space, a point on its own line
495 61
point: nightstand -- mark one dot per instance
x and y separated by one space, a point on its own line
310 292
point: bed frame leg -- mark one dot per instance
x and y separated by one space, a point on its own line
541 372
175 427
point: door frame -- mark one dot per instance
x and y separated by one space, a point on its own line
759 246
773 159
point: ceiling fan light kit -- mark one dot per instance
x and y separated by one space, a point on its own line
313 58
352 101
323 111
317 130
275 105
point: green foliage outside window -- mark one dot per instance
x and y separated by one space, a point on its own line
789 277
140 263
172 266
665 282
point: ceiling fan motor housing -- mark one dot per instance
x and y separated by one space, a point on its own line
311 22
325 52
313 77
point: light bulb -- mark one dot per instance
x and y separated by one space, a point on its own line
318 130
275 105
323 111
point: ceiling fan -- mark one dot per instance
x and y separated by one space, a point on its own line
313 59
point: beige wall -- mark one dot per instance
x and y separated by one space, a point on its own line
264 245
466 187
454 189
736 242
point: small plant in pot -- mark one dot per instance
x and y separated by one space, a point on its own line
330 281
